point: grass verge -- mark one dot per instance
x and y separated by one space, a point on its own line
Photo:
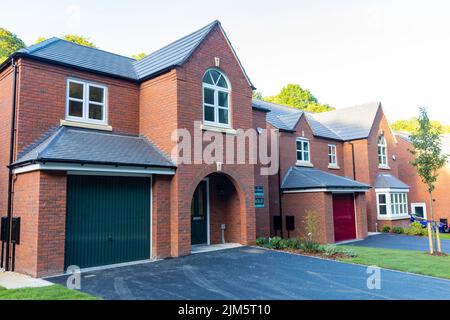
55 292
401 260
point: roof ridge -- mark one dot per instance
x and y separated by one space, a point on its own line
210 25
351 107
279 105
162 153
51 140
329 128
38 46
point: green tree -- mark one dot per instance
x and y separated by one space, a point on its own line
9 43
39 40
412 124
258 95
84 41
428 158
295 96
139 56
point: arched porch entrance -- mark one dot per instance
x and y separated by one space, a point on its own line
216 211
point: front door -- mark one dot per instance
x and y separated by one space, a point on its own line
199 214
344 217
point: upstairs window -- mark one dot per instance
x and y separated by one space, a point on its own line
216 99
382 152
303 151
332 159
86 102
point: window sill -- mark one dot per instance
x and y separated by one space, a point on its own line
384 167
304 164
333 167
208 127
85 125
392 218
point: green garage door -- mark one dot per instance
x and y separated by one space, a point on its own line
108 220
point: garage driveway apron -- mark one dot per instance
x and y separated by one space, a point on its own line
402 242
254 273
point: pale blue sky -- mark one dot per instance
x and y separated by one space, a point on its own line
346 52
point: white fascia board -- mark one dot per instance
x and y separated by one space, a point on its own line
325 190
389 190
94 168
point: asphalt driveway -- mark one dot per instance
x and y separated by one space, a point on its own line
254 273
402 242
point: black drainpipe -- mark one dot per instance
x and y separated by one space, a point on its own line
10 169
353 160
280 195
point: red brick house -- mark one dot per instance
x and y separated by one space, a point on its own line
328 162
91 174
419 199
91 147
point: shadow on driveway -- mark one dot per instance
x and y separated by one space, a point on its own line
254 273
398 241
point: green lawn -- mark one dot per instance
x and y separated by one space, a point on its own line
55 292
444 235
402 260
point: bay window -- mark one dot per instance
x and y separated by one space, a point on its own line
392 205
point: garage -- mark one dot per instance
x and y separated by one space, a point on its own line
344 216
108 220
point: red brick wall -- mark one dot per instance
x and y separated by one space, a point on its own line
418 191
6 78
262 214
161 216
320 204
380 125
43 87
40 201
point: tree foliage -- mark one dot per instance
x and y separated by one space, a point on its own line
39 40
258 95
84 41
9 43
427 150
139 56
295 96
411 125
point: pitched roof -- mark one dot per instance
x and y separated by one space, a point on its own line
348 123
300 178
388 181
58 51
90 146
343 124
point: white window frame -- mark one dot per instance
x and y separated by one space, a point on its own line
383 156
421 205
216 106
303 152
332 153
396 204
86 87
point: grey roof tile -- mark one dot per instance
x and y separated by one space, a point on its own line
281 117
300 178
349 123
174 54
388 181
91 146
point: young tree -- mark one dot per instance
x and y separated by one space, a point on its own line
427 156
9 43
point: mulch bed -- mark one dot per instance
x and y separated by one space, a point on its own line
322 255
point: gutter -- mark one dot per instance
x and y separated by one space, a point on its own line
10 169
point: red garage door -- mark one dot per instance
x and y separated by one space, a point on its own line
344 217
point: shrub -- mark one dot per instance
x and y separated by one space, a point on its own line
311 246
386 229
262 242
397 230
331 250
277 243
415 229
294 243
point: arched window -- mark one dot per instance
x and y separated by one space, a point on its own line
216 98
382 152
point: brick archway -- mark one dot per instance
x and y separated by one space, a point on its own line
227 203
